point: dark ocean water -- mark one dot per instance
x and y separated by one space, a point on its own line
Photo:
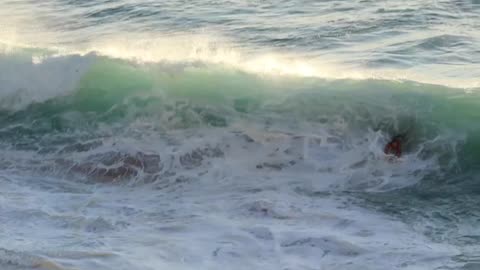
239 134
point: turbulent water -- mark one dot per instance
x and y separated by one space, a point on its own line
239 134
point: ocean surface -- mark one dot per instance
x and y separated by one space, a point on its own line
235 134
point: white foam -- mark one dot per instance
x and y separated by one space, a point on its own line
208 223
213 48
25 80
218 210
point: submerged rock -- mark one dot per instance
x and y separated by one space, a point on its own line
276 166
262 233
195 158
81 147
98 225
113 166
264 209
328 244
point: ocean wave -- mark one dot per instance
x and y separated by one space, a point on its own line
96 107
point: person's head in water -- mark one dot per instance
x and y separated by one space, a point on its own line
395 146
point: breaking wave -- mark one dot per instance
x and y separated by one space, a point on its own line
107 119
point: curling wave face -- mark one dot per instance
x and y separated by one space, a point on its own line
332 127
137 135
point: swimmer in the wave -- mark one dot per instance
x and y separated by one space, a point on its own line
395 146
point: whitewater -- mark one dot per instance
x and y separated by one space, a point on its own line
239 134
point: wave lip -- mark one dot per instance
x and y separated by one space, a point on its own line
26 79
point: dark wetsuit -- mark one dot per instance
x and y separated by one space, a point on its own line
394 147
